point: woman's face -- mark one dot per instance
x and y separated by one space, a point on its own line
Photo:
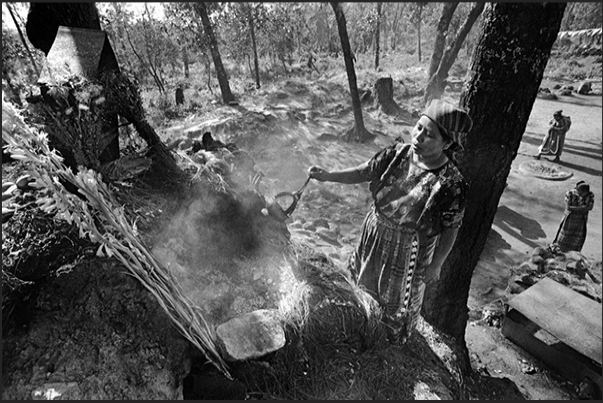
427 141
581 191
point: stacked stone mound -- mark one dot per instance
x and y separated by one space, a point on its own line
571 269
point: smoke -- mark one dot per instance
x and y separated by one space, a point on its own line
226 254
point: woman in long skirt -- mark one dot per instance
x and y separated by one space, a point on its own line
552 143
572 229
418 207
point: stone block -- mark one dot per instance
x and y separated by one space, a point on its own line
251 335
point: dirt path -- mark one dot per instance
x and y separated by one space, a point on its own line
295 126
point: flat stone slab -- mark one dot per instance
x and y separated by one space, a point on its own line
251 335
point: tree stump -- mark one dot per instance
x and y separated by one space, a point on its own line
179 96
383 92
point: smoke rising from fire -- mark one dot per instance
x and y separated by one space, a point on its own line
227 255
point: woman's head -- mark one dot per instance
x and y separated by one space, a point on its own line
583 187
427 138
453 123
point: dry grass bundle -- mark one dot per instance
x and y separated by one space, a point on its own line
337 346
303 370
95 212
335 337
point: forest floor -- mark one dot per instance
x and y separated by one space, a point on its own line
286 127
290 126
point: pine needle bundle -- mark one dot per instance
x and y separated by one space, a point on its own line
99 218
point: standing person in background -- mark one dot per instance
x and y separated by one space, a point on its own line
572 229
553 142
419 204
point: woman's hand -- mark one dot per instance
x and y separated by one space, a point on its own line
432 273
318 173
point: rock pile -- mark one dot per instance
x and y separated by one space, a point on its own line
571 269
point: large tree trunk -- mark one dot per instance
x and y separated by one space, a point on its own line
506 71
358 132
44 19
227 96
437 82
440 39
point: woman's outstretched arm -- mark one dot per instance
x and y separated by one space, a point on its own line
347 176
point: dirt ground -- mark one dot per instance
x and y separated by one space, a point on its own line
290 127
528 215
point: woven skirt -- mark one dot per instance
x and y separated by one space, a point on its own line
389 262
572 231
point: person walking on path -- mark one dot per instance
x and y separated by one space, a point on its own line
552 143
418 206
571 233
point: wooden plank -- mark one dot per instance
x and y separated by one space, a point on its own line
569 316
572 365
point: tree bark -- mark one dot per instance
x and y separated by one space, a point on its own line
227 96
513 47
440 39
437 82
358 132
44 19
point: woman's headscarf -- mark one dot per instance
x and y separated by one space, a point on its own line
452 122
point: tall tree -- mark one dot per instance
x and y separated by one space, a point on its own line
437 81
395 22
183 21
256 64
358 132
227 96
149 42
441 33
416 18
514 46
378 34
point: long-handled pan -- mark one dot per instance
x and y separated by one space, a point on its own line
295 196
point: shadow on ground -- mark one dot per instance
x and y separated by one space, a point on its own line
523 228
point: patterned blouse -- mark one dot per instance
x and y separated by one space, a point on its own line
433 198
574 199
